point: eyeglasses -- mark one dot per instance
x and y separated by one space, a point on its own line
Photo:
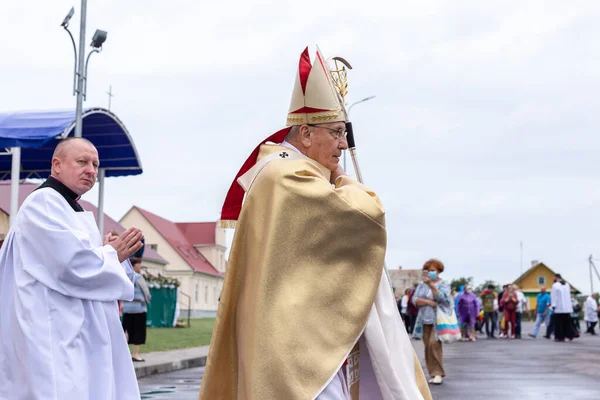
340 133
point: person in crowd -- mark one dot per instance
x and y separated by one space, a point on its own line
412 310
404 308
575 316
468 309
521 308
510 301
479 320
488 297
562 307
591 311
501 322
432 293
135 311
542 311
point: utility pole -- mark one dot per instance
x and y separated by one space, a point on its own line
591 263
521 257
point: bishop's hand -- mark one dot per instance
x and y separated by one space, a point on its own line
337 173
127 244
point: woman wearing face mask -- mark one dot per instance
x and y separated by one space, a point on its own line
432 293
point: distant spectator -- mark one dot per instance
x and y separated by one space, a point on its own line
432 293
521 308
412 310
134 312
542 311
560 296
509 301
575 316
501 311
591 311
404 308
468 308
488 298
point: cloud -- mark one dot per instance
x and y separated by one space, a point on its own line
482 133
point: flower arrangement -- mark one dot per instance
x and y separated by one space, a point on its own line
161 281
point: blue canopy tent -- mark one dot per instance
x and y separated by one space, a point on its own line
31 136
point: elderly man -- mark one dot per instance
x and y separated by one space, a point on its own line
60 335
306 307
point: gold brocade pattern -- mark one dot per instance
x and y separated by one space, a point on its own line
303 271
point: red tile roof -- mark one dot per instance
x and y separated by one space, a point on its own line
110 224
25 190
179 241
198 233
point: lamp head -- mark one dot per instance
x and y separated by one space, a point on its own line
65 22
98 39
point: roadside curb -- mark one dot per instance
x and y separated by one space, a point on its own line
142 371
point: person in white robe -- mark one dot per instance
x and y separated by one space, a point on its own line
560 298
590 313
60 334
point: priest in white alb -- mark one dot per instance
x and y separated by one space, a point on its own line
60 334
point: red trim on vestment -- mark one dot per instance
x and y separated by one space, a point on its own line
308 110
232 206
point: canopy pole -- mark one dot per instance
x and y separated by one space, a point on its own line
101 173
14 183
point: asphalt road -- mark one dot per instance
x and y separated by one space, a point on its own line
487 369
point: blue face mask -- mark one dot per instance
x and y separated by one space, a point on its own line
432 275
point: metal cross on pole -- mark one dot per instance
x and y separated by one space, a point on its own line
110 96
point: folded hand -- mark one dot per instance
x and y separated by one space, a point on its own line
127 244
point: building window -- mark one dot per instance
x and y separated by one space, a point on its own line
541 280
196 292
153 247
205 294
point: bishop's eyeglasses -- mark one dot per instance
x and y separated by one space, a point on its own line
339 133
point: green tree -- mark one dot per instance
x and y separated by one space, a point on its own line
485 285
455 284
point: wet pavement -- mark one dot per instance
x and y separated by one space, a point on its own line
178 385
487 369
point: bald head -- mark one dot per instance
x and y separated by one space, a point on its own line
75 163
65 145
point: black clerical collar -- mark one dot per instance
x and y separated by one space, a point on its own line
70 196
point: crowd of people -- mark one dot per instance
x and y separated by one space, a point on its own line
500 313
485 308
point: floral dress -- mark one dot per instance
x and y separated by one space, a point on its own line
427 315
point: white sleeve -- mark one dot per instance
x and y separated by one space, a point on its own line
61 257
553 297
404 302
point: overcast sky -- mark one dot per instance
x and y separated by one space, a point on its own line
484 131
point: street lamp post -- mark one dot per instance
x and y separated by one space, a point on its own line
81 62
350 108
80 87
